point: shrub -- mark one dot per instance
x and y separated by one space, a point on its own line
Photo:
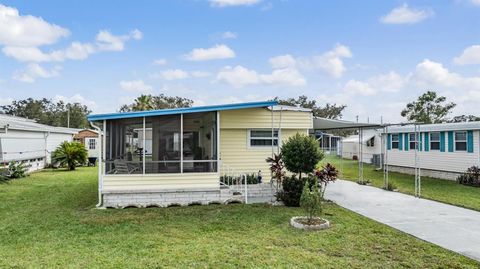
70 154
16 170
327 174
301 153
311 201
277 166
471 177
291 191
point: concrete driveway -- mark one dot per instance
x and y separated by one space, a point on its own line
451 227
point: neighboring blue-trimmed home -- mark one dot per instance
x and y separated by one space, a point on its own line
444 150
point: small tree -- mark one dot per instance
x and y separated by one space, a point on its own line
70 154
301 153
311 201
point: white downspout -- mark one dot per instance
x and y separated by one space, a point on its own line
100 164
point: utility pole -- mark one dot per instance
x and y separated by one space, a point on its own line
68 117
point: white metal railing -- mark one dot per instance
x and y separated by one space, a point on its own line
234 180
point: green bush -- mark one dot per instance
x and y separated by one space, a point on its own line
471 177
291 191
16 170
301 153
70 154
311 201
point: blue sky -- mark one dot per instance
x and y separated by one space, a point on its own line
373 56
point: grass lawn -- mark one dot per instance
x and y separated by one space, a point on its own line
441 190
47 220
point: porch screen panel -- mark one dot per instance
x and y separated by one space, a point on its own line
162 139
123 150
199 142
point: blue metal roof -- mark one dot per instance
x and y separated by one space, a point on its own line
151 113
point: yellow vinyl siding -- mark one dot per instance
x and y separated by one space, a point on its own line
161 181
235 153
254 118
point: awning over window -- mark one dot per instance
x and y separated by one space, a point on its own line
329 124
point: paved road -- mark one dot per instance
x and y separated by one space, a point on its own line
451 227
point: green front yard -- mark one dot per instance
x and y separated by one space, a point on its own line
47 220
446 191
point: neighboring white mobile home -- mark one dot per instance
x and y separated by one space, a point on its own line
444 150
371 146
24 140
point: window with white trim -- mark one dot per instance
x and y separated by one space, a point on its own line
395 141
262 138
460 141
435 141
412 138
92 144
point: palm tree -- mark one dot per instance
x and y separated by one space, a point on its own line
70 154
142 103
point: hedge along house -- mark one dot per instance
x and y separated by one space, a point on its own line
177 156
445 150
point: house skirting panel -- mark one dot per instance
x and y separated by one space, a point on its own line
122 199
425 172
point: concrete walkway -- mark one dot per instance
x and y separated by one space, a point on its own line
451 227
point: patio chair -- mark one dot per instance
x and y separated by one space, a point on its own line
122 167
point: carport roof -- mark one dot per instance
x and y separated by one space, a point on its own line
329 124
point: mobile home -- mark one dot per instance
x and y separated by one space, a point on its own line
24 140
444 150
177 156
371 146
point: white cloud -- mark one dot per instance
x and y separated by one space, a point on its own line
77 98
359 87
200 74
284 77
227 3
174 74
470 55
34 71
240 76
405 15
27 30
213 53
476 2
135 86
109 42
76 51
429 73
282 61
330 62
229 35
160 62
389 82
